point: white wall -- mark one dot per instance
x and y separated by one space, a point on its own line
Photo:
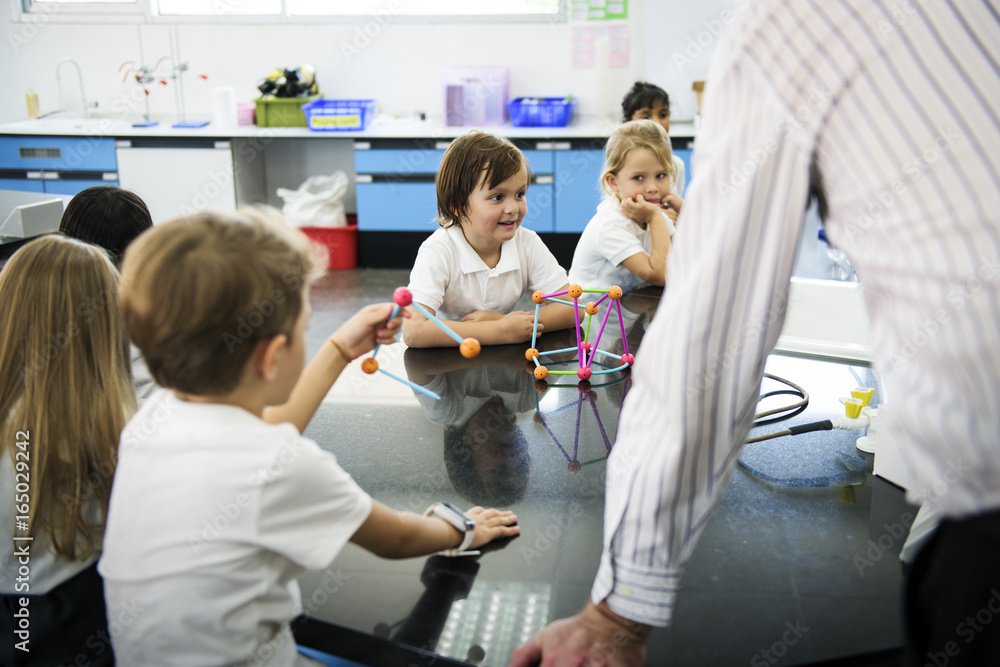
400 66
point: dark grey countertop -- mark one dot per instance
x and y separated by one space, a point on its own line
780 568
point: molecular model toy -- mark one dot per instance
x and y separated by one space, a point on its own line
403 297
586 351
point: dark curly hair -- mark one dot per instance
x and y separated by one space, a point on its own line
643 95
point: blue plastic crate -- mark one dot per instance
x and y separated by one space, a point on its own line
339 115
541 111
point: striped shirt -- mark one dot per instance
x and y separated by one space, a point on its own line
896 103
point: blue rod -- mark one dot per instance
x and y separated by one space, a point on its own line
429 315
412 385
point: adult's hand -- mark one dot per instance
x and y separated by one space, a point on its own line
596 637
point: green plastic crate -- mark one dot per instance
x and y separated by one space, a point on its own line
282 111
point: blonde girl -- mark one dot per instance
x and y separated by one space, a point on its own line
627 241
65 394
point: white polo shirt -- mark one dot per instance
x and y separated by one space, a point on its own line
450 278
213 515
608 240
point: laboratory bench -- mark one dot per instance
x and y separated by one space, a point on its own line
390 166
798 563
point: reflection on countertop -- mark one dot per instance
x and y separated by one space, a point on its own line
774 552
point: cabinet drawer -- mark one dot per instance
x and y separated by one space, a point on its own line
396 206
58 153
403 162
397 161
577 177
21 184
73 186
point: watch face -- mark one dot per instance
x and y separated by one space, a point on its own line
460 516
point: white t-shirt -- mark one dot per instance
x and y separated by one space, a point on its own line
681 179
46 569
450 278
608 240
213 515
464 391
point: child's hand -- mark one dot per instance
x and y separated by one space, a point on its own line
482 316
369 326
519 325
672 206
639 209
492 524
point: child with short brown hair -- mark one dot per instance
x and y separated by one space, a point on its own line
219 504
475 269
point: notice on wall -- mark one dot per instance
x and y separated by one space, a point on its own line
585 51
598 10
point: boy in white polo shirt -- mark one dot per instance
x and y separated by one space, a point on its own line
476 268
218 502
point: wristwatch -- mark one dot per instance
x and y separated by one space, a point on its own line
460 521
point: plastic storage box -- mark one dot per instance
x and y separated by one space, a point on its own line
475 95
541 111
339 115
282 111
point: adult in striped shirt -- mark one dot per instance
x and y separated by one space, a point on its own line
895 106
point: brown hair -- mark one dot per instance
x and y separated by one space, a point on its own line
462 168
634 135
66 387
201 291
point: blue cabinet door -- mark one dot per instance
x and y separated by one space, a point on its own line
80 153
21 184
577 188
685 155
71 187
541 205
409 207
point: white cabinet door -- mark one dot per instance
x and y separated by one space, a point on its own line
176 181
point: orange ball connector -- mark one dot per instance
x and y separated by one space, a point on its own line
369 365
469 348
541 373
575 291
530 353
591 308
615 292
537 296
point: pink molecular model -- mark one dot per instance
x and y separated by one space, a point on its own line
586 351
402 297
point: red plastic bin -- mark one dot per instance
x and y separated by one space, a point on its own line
341 244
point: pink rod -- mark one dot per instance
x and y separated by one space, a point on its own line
621 321
598 302
576 438
579 343
600 332
565 291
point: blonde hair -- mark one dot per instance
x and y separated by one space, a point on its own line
67 387
634 135
200 292
462 167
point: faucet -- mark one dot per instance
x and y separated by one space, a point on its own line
79 78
